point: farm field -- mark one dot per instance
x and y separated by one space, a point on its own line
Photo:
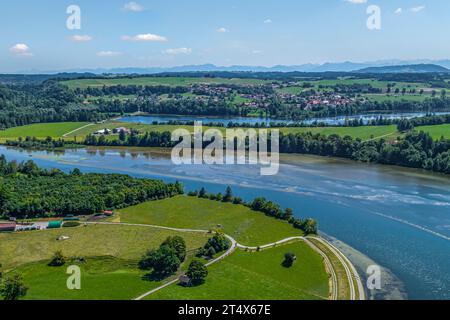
57 130
246 226
364 133
437 131
103 278
154 81
41 130
122 242
110 253
407 97
373 82
259 275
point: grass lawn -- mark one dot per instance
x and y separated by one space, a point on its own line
153 81
123 242
399 97
373 82
343 286
41 130
57 130
259 275
364 133
437 131
102 278
246 226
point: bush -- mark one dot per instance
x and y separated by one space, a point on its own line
197 272
178 244
71 224
58 260
289 259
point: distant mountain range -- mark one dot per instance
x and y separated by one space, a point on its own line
411 68
380 66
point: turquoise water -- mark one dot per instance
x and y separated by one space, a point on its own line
241 120
398 217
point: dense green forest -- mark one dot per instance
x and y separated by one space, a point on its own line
50 102
29 191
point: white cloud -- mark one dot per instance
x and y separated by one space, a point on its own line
108 54
222 30
256 51
268 21
178 51
357 1
399 11
133 6
145 37
417 9
81 38
21 49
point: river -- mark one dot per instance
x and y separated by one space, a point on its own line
398 217
332 121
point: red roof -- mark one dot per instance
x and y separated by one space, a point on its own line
108 212
7 225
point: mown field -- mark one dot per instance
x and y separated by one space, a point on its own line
58 130
246 226
366 132
259 275
154 81
436 131
41 130
123 242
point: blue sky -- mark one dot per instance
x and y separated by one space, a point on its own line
146 33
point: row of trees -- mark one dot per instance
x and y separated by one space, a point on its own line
28 191
415 150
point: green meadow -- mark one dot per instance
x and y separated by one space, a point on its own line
246 226
437 131
154 81
41 130
259 276
119 241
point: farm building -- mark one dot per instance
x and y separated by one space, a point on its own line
7 227
108 213
54 224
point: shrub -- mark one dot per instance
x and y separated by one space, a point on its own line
289 259
57 260
197 272
71 224
178 244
